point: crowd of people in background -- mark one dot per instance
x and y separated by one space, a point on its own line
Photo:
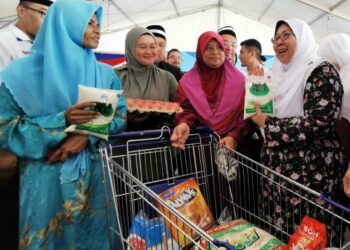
308 139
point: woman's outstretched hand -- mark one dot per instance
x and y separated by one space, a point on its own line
71 146
229 142
180 135
79 113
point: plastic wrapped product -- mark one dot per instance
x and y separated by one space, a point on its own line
243 235
311 235
149 234
187 198
106 103
259 91
227 165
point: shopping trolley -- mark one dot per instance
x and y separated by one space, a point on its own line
137 161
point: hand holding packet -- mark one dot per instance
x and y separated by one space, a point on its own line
106 103
258 90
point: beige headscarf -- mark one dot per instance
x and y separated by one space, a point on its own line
138 80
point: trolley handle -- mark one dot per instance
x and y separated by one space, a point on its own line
156 143
223 244
156 132
133 134
345 209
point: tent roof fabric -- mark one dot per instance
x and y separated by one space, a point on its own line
184 19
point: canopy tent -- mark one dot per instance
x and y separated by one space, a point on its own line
185 20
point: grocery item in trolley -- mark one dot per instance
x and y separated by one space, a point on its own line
311 235
187 198
243 235
106 103
149 234
141 106
258 90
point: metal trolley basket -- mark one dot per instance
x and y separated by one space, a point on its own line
228 181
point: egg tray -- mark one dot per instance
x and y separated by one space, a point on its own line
141 106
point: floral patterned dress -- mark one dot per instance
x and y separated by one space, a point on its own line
305 149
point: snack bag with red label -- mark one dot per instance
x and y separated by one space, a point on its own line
311 235
187 198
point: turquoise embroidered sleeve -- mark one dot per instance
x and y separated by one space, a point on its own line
55 121
24 136
119 122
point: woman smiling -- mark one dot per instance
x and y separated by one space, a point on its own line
62 203
301 141
211 93
142 79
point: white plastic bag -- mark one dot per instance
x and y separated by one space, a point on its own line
107 101
227 165
258 90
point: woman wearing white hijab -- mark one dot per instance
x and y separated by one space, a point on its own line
335 48
301 141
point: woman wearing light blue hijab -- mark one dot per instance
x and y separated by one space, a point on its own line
62 203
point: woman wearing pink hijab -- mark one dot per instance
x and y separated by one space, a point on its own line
211 93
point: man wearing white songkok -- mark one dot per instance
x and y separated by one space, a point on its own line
301 141
335 48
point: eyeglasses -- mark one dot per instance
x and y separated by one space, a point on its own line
42 13
284 36
175 57
233 45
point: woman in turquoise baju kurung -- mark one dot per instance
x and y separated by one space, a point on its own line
62 201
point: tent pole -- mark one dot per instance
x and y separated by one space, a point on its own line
220 4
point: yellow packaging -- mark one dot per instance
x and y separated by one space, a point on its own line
187 198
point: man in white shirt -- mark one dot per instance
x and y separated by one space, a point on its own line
251 58
15 42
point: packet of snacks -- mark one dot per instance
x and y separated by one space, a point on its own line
311 235
106 103
149 234
187 198
258 89
243 235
